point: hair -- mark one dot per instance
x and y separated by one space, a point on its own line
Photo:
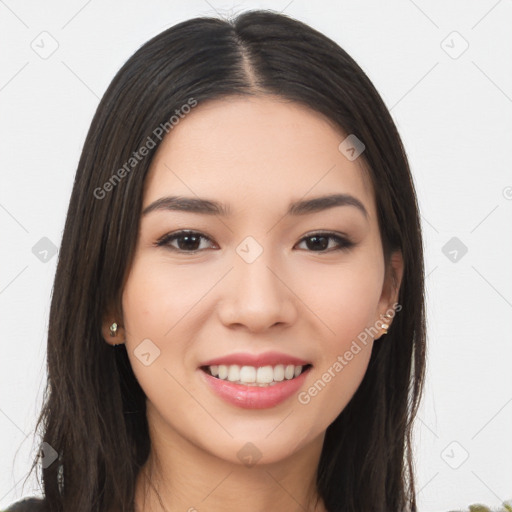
94 410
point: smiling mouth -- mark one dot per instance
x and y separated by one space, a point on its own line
262 376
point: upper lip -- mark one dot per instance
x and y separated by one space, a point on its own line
256 360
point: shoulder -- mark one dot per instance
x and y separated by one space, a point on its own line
27 505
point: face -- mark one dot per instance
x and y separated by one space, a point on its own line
300 286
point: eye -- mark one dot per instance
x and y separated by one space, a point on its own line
190 241
320 242
187 241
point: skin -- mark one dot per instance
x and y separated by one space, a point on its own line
256 155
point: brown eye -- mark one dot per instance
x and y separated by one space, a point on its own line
186 241
190 241
319 242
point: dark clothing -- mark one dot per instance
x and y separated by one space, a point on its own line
27 505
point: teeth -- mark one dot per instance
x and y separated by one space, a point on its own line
250 375
247 374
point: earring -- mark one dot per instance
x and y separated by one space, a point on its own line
113 330
113 333
385 327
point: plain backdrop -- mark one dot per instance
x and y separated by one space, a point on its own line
442 68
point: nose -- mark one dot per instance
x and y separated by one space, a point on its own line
256 296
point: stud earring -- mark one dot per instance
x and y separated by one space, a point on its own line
385 326
113 330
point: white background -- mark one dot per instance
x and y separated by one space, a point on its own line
454 115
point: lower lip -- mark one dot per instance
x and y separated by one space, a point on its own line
255 397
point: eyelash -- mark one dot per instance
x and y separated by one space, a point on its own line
344 244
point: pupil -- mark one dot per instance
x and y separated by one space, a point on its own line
188 238
316 238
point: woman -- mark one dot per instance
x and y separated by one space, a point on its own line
238 311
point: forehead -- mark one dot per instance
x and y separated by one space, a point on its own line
255 152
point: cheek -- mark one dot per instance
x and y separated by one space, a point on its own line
334 384
151 309
153 304
345 355
156 298
346 302
344 298
141 304
161 308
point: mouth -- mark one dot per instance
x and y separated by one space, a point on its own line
253 376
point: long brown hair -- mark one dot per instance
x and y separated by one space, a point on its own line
94 411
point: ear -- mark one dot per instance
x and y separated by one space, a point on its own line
112 330
390 290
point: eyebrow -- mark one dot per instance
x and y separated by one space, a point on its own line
211 207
